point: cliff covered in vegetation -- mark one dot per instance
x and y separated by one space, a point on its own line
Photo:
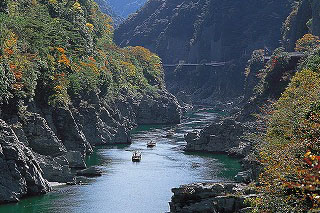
66 87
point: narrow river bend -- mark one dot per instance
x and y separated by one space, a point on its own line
144 187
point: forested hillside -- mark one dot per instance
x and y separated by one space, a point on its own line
289 150
65 87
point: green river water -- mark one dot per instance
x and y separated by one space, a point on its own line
144 187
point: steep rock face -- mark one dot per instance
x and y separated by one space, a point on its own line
103 122
21 175
69 131
119 9
204 84
55 169
147 26
266 81
204 31
39 135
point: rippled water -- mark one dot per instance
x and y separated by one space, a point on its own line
143 187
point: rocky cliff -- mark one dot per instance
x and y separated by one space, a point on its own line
21 174
42 144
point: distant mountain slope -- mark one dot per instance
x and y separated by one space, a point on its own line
105 8
212 30
119 10
205 30
124 8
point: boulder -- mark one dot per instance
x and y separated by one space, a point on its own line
244 177
162 110
242 150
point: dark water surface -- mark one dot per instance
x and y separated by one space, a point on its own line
144 187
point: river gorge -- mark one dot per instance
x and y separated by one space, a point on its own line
141 187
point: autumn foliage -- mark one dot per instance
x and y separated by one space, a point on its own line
307 42
290 153
41 49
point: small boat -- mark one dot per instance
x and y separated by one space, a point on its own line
136 156
151 144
